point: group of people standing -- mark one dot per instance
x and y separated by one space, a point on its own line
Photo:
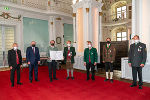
137 59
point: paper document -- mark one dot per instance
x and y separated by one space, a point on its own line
56 55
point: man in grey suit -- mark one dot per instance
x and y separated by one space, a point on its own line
137 59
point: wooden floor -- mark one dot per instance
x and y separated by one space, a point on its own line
100 72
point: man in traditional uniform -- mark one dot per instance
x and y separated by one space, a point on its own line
69 53
109 54
90 59
137 59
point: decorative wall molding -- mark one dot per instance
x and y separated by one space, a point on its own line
87 4
7 16
74 15
87 10
62 8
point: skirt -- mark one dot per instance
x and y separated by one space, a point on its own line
69 65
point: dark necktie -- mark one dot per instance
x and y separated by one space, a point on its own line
33 50
89 57
17 59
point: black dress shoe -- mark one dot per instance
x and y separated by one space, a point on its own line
72 78
93 79
106 80
67 78
88 79
51 80
140 87
19 83
12 85
55 78
30 81
37 80
133 85
111 80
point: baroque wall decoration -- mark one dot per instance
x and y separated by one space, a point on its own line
7 16
58 40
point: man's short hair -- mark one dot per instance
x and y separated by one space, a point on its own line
137 36
33 41
108 38
15 43
53 41
69 41
89 42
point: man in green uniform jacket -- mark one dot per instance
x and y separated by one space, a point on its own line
90 59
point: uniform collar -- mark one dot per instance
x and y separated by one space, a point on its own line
52 46
15 50
91 48
136 43
109 46
68 48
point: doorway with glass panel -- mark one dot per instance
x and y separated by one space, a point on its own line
7 34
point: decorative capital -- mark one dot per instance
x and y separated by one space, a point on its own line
87 10
58 18
22 1
49 3
74 14
51 23
100 14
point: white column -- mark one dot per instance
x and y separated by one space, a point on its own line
145 25
59 32
133 18
136 17
90 25
74 29
100 35
85 26
52 35
91 31
141 22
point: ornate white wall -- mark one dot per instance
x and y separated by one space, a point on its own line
55 29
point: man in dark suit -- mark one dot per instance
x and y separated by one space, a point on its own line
90 59
69 53
137 59
33 59
15 62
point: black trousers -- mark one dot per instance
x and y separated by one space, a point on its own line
108 65
136 70
88 66
35 67
52 67
12 74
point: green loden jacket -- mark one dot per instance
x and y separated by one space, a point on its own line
93 55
